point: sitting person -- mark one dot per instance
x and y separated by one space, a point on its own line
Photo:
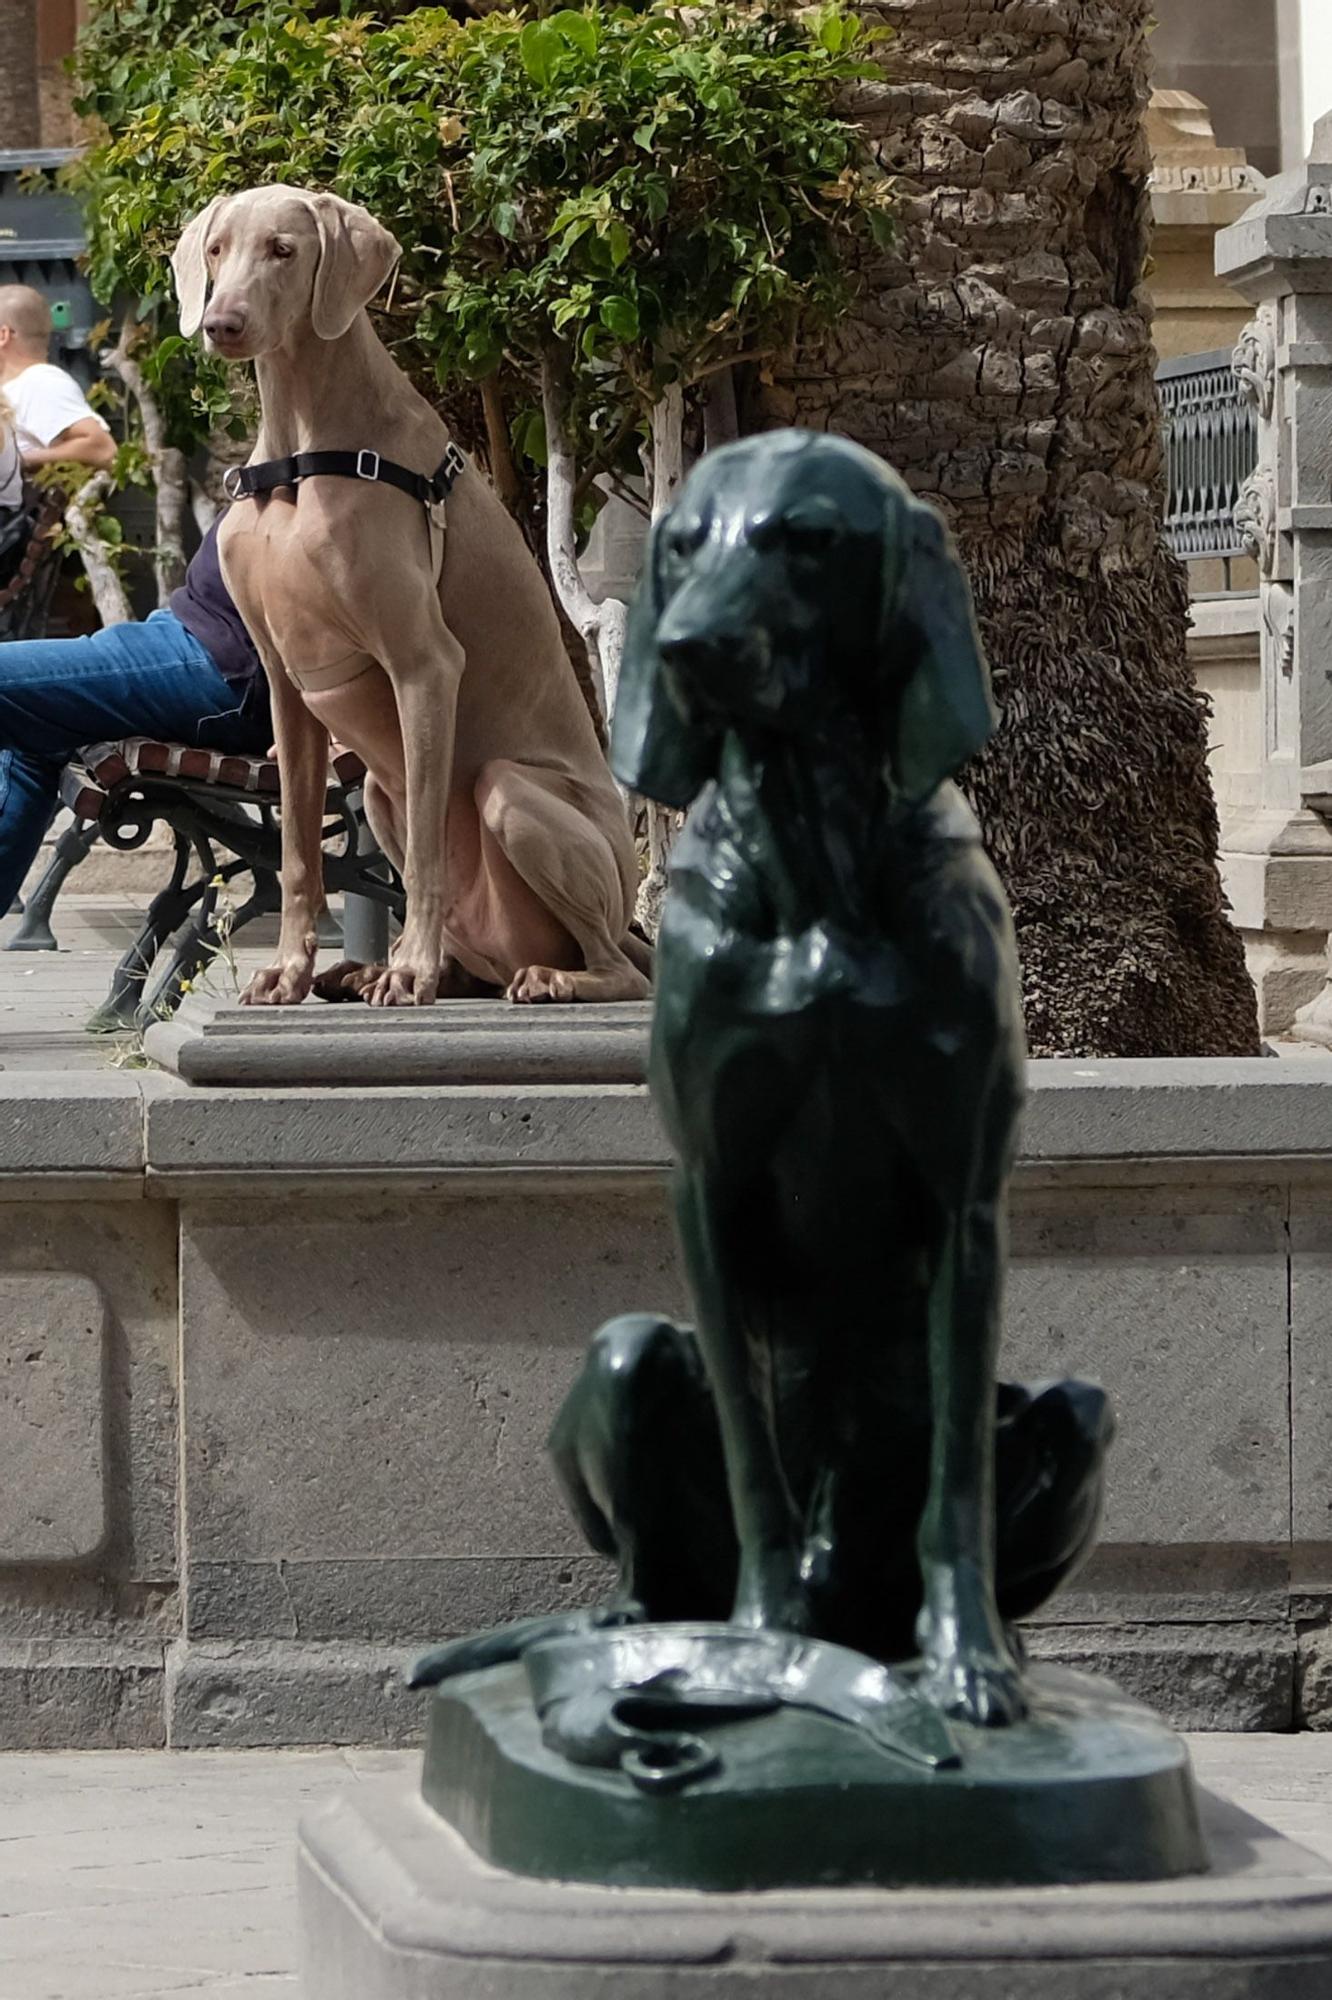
56 424
189 675
11 466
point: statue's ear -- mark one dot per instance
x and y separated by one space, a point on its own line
654 749
945 713
190 267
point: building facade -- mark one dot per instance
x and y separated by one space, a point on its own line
1262 67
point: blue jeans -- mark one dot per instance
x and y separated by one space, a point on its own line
58 695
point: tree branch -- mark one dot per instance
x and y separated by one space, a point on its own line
503 471
104 582
170 474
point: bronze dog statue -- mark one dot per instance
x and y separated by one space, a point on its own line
838 1058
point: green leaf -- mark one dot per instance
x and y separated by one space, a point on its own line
541 48
529 436
578 29
620 243
504 219
619 315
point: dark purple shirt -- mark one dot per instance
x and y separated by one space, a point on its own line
204 607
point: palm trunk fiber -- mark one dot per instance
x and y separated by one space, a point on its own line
1001 356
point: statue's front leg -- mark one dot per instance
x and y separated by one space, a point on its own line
770 1594
971 1670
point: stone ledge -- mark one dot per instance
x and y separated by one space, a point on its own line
113 1132
87 1124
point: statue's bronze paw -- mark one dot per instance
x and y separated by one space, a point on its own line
981 1688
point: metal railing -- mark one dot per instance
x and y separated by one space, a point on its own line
1211 435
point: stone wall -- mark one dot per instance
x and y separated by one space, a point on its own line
276 1367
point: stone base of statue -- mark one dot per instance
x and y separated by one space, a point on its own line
396 1906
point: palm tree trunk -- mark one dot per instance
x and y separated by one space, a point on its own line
1001 357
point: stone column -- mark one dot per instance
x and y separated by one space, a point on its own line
1279 862
1197 187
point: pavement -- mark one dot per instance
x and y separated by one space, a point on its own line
138 1875
47 996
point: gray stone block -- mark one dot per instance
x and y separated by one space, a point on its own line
1196 1108
82 1696
394 1906
269 1693
1314 1679
1311 1363
1182 1583
52 1447
126 1252
334 1417
88 1125
236 1136
417 1600
1196 1676
455 1042
1177 1303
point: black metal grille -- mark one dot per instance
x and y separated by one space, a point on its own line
1211 436
41 241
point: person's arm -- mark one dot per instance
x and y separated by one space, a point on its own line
86 442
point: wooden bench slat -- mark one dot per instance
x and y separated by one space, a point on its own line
110 764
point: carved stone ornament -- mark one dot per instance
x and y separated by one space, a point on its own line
1254 363
1255 518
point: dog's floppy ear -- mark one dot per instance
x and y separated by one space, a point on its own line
356 254
654 749
190 268
945 713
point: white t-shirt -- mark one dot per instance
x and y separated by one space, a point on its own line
11 471
46 401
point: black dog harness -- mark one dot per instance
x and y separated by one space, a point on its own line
245 482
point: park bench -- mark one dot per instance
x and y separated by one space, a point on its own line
29 567
222 812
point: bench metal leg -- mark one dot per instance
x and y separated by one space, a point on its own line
35 933
365 922
365 930
197 944
167 911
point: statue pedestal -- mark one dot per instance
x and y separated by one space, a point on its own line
395 1906
219 1042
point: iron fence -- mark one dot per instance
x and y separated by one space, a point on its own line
1211 435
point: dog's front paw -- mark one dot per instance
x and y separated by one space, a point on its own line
280 985
404 985
978 1687
536 983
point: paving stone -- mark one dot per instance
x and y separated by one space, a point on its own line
81 1833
